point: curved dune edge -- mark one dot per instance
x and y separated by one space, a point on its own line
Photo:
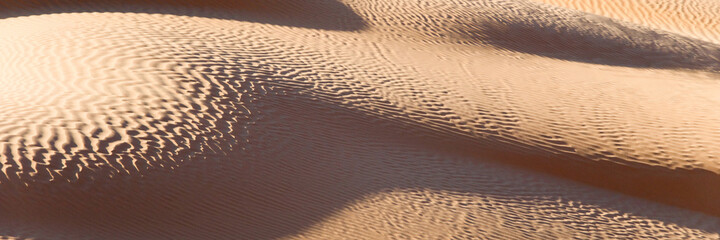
214 127
323 14
698 19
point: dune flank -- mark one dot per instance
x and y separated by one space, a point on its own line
696 19
324 119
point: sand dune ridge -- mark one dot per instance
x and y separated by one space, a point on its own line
381 119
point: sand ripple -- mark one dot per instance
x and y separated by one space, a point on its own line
382 119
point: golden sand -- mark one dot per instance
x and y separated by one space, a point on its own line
357 119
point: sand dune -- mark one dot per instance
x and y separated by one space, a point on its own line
323 119
696 19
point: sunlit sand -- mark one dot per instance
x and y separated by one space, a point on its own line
360 119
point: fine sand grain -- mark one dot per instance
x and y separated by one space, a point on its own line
359 119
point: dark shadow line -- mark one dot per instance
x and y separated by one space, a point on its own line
589 38
317 14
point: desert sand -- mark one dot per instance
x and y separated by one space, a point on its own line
360 119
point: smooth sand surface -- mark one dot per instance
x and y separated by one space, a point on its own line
359 119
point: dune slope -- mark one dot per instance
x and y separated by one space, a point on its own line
378 119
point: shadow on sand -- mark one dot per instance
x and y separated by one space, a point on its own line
576 36
318 14
302 169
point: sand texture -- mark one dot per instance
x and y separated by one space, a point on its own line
360 119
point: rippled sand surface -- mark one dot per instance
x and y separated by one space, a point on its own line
359 119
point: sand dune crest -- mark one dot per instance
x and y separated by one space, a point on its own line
353 119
